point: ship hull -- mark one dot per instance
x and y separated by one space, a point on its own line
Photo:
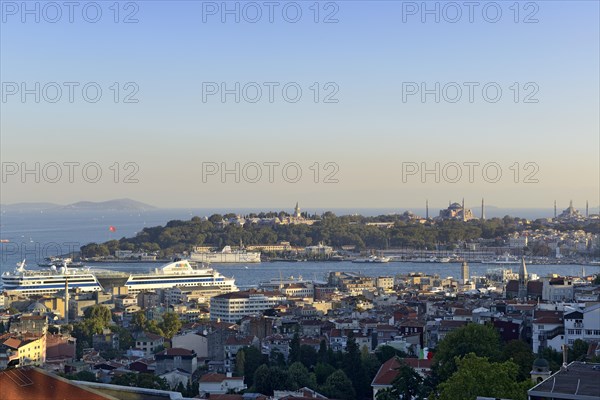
226 257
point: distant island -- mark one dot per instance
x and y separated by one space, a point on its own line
455 229
109 205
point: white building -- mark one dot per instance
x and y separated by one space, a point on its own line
318 250
303 290
214 383
518 242
558 289
192 341
149 342
548 331
583 324
232 307
384 282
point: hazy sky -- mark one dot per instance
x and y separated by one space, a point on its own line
369 123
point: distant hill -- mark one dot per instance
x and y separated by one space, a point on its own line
110 205
28 206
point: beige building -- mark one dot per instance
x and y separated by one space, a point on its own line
30 350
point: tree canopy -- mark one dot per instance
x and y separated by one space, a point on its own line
482 340
476 376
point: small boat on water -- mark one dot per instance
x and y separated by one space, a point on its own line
372 259
506 259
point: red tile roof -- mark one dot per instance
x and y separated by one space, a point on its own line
35 384
214 377
418 363
13 343
176 351
387 372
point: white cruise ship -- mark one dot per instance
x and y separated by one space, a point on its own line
30 282
226 256
179 273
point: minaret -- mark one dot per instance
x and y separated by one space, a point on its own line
297 211
523 278
554 208
464 215
587 209
426 209
571 210
464 272
66 316
482 209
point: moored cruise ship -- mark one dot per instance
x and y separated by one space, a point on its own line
226 256
180 273
31 282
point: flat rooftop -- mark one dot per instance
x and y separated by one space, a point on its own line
579 381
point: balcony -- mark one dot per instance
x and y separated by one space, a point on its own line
549 335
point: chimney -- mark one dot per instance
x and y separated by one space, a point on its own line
565 350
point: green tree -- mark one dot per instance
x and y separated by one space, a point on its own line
520 353
299 377
191 389
407 383
322 353
579 350
553 357
386 352
126 340
100 313
353 367
476 376
139 321
277 359
153 327
240 361
143 380
267 379
294 349
308 355
483 340
170 324
86 376
253 359
338 386
322 372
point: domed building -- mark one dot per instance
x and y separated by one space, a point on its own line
540 370
37 308
456 211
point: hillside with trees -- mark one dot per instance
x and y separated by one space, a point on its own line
179 236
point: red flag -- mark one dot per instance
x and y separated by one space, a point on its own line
112 228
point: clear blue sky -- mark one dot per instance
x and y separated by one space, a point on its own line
368 134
